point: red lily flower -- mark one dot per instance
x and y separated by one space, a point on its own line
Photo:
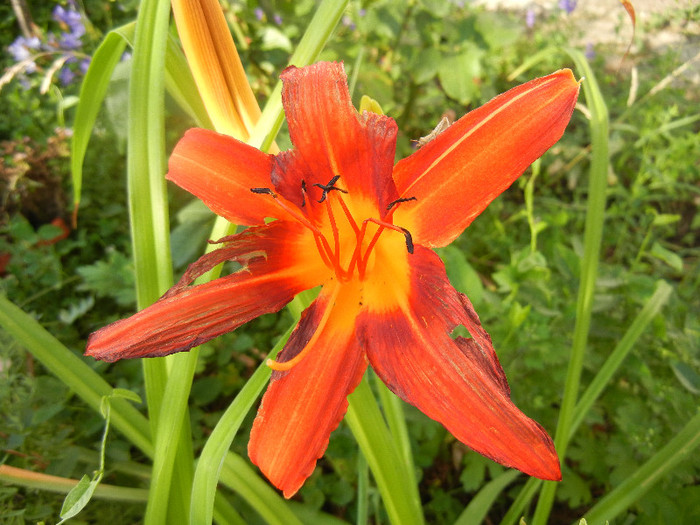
349 220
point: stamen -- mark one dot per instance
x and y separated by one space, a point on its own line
293 213
303 193
398 201
336 236
329 187
382 224
264 191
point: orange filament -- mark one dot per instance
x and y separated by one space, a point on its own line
330 255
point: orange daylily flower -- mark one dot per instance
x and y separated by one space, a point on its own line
350 221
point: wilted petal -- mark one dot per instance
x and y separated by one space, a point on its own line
459 382
185 316
302 406
456 175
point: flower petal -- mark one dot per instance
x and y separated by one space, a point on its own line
189 316
459 382
302 406
221 170
333 138
456 175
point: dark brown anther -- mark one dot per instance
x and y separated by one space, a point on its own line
303 193
263 191
409 239
329 187
399 201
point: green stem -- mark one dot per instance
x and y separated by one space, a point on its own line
39 481
148 208
595 215
400 496
216 448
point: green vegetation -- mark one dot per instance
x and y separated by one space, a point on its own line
530 264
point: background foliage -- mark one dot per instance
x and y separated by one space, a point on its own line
421 60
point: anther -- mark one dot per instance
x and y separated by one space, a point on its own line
409 240
303 193
399 201
263 191
329 187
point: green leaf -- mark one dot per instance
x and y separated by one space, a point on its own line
688 377
595 218
123 393
462 275
92 92
667 256
459 74
480 504
77 498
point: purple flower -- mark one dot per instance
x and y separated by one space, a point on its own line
84 65
347 22
278 19
530 18
589 53
69 41
18 50
66 76
21 48
70 18
259 14
362 12
568 5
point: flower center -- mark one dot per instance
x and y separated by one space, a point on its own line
344 242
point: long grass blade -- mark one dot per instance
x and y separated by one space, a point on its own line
623 347
635 486
74 373
595 215
92 93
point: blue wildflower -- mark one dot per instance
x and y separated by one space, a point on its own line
589 53
84 65
66 76
568 5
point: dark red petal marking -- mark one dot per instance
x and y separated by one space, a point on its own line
332 139
459 383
